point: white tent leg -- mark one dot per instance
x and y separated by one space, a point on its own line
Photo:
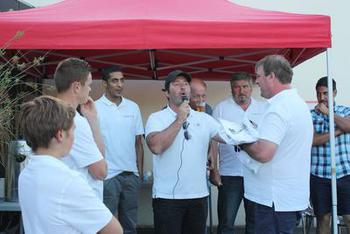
332 142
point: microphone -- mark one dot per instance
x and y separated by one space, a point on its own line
185 124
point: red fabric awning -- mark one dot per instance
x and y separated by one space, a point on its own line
209 38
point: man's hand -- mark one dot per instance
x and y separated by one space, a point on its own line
88 109
338 132
184 110
215 178
322 108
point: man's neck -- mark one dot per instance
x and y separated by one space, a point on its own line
116 100
69 99
245 106
281 88
174 107
49 152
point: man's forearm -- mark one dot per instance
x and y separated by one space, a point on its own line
323 138
158 142
97 135
139 155
343 123
261 150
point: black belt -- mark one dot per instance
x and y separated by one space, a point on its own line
127 173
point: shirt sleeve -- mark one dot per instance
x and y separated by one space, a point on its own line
273 128
84 151
153 125
213 126
81 209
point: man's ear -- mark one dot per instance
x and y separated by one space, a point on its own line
104 84
335 93
76 85
59 135
167 93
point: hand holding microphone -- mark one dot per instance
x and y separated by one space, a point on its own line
184 111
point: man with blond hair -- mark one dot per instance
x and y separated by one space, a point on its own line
73 79
280 188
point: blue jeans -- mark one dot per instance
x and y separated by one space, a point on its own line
229 198
180 216
120 195
268 221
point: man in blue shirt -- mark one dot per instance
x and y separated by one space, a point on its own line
320 183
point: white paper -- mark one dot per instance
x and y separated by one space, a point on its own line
236 134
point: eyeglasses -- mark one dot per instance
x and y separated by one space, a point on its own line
185 127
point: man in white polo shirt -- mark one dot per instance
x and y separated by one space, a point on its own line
122 131
179 139
73 80
54 198
281 185
239 105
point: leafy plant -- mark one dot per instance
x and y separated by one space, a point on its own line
15 88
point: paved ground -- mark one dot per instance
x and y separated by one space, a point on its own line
240 230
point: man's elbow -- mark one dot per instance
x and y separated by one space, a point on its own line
264 157
98 169
154 146
155 149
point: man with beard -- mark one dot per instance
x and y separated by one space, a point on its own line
122 129
234 109
320 182
179 139
280 187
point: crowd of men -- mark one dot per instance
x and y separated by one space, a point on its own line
88 157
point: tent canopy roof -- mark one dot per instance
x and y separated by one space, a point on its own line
206 37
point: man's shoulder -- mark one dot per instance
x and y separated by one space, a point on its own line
131 103
342 109
259 104
159 114
223 103
99 101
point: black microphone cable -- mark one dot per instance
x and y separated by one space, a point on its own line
178 170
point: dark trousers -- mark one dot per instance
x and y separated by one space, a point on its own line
268 221
229 199
180 216
120 195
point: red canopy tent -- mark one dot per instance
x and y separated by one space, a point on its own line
208 38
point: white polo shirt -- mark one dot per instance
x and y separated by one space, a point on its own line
55 199
119 124
84 152
180 171
284 181
228 109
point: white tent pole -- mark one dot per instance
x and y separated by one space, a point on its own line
332 142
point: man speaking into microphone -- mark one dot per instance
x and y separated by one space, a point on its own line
179 139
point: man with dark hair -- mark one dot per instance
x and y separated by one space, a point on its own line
53 198
280 187
73 79
179 139
122 131
320 182
239 105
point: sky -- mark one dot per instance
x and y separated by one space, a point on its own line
40 3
